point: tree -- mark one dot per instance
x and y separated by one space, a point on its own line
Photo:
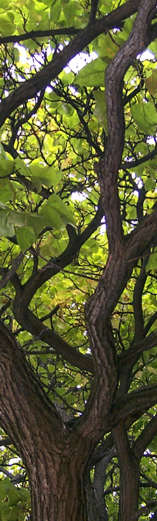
78 247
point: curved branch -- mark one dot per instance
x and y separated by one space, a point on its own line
109 166
139 161
119 265
150 322
141 239
25 293
32 324
128 358
132 405
145 438
56 265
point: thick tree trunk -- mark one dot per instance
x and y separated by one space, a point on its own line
54 456
57 494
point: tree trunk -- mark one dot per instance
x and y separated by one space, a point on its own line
54 455
57 494
129 476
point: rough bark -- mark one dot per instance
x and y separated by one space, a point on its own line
129 476
57 489
96 505
54 456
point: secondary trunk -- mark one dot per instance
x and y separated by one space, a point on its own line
129 476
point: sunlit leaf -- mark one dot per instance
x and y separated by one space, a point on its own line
6 167
6 23
6 191
152 263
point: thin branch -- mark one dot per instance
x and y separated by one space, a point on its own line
94 6
139 161
56 265
129 358
137 302
150 322
16 38
133 405
8 274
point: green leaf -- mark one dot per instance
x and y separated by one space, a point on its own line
54 245
100 108
71 10
6 227
152 263
56 213
25 237
21 167
64 210
5 485
6 167
6 23
106 6
48 176
55 10
145 116
105 47
40 175
92 75
150 184
153 47
6 191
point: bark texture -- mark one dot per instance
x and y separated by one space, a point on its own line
56 455
129 476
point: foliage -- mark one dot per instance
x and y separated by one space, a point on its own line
54 240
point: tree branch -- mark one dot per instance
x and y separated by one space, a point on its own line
31 87
32 324
129 475
145 438
137 302
56 265
16 38
133 404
